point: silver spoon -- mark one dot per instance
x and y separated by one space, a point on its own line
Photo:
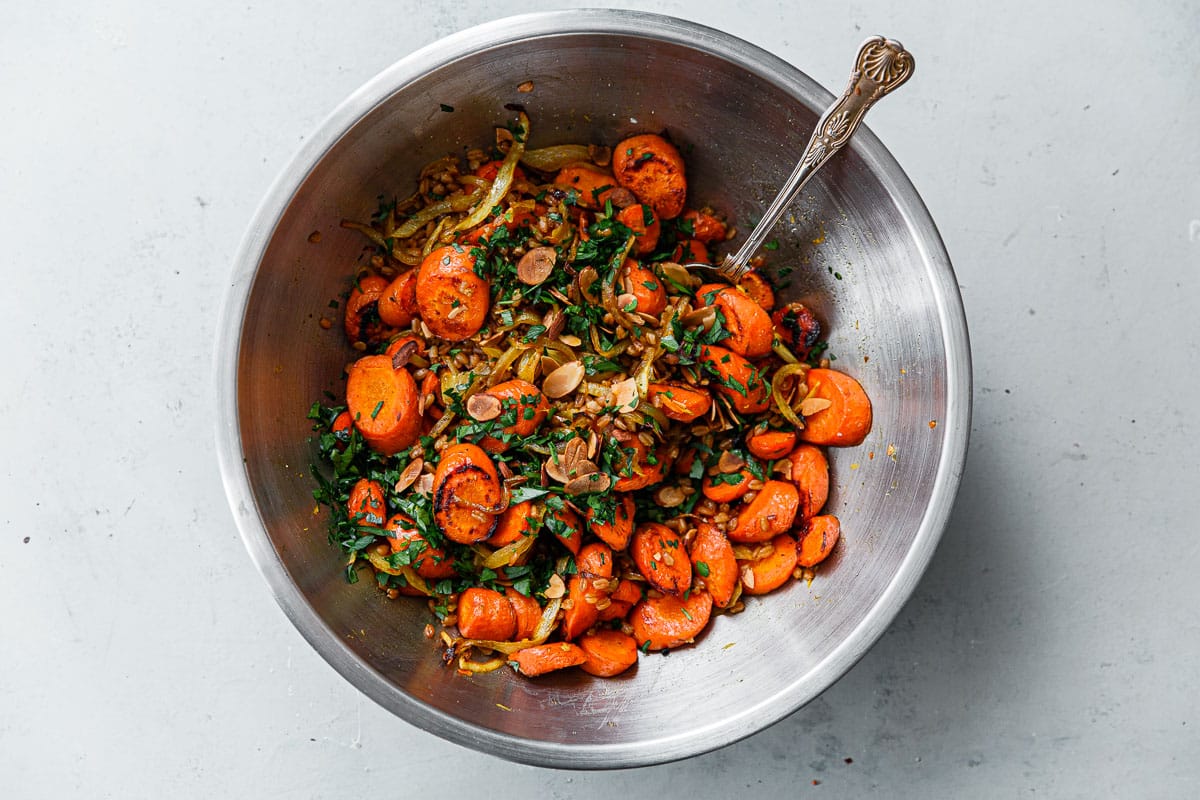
882 65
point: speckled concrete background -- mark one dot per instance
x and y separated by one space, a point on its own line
1053 646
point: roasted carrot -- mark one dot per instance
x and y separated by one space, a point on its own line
652 168
797 327
515 521
453 301
383 403
645 226
543 658
759 290
627 594
429 562
705 227
608 652
726 487
343 423
749 326
587 180
528 614
594 563
664 622
614 532
522 405
736 378
398 302
397 348
564 524
486 614
771 571
659 555
679 401
467 494
810 473
362 321
366 504
713 561
770 445
488 170
691 251
820 535
634 469
511 219
771 512
645 286
847 420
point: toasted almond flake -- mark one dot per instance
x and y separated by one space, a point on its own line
700 318
748 577
484 406
812 405
677 273
593 444
525 87
730 462
668 559
622 198
424 484
563 380
600 155
556 587
627 301
625 395
403 353
570 340
588 483
409 475
669 496
536 265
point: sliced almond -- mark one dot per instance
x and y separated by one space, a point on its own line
536 265
409 474
483 406
564 380
627 302
403 353
570 340
625 395
669 496
730 462
601 156
574 451
622 198
556 589
814 404
700 318
747 577
593 444
587 276
424 484
588 484
678 273
554 321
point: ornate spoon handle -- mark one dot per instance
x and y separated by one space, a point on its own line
882 65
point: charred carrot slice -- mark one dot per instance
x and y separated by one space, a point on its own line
713 561
768 573
362 321
810 473
679 401
488 170
645 226
771 445
614 530
452 300
821 533
518 403
666 622
588 182
467 494
366 503
543 658
771 512
749 326
528 614
647 290
758 289
846 421
608 652
705 227
735 378
516 521
397 304
486 614
659 555
429 562
798 327
627 594
594 562
652 168
383 403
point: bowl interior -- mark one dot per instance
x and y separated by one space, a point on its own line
859 249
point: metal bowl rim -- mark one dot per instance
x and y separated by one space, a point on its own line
556 24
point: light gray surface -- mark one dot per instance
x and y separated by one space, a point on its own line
1052 648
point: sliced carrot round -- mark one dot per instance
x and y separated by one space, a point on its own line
810 473
680 402
383 404
588 181
608 652
515 521
665 622
625 596
727 487
366 504
528 613
633 468
595 561
452 299
429 562
750 331
736 378
652 168
486 614
398 302
645 226
466 494
543 658
659 555
771 571
846 421
615 532
771 512
713 561
705 227
524 404
821 533
645 286
759 290
771 445
362 321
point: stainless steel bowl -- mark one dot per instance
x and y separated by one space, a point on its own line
881 280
